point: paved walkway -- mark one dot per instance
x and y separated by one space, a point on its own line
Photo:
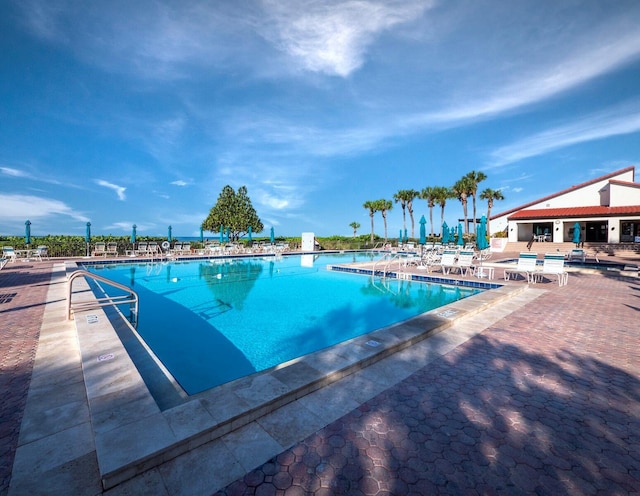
546 400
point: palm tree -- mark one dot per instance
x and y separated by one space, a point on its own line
429 194
490 195
384 206
442 194
355 226
373 208
406 197
462 190
475 178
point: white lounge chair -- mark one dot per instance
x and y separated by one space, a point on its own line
552 266
42 252
100 250
526 266
112 249
9 253
3 262
578 255
448 260
465 262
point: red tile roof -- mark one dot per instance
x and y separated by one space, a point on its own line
624 183
546 213
572 188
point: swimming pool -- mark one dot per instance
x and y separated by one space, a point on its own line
215 320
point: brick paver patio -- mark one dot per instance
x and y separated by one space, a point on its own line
546 401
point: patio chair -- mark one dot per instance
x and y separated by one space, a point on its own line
100 250
41 253
186 249
9 253
553 266
448 260
465 262
142 248
578 255
112 249
526 267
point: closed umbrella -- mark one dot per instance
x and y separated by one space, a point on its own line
221 234
460 238
133 234
481 235
423 231
228 234
273 236
576 233
445 233
169 235
87 236
249 231
400 237
201 235
27 233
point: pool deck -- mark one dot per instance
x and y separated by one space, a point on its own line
538 392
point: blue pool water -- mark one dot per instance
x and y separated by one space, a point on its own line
212 321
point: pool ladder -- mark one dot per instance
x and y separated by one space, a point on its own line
389 258
131 297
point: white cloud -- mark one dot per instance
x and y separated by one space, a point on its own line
8 171
624 119
22 207
118 189
179 183
332 36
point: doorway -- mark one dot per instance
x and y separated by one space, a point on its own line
597 232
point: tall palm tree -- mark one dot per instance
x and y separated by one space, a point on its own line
371 205
384 206
429 194
405 197
462 190
355 226
490 195
442 194
475 178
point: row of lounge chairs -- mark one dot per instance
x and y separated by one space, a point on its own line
11 255
450 261
528 268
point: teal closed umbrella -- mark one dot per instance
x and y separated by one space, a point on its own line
221 234
273 236
445 233
27 232
423 231
201 235
400 237
576 233
460 238
87 236
133 234
169 235
228 234
249 231
481 235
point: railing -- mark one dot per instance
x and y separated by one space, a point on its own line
131 297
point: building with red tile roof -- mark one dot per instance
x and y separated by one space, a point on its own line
607 209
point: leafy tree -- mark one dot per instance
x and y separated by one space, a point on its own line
373 208
235 212
405 197
462 190
475 178
490 195
355 226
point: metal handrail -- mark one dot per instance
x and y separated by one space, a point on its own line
131 298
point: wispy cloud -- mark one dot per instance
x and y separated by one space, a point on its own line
8 171
332 37
118 189
21 207
179 183
624 119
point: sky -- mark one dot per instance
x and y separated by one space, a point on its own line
120 113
